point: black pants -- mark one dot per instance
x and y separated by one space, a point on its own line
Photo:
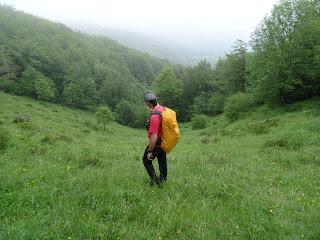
162 161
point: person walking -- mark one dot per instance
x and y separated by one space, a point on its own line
153 150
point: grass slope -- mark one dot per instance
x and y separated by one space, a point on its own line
61 177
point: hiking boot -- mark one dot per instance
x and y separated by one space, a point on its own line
154 181
162 179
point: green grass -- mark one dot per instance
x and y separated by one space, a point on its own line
62 177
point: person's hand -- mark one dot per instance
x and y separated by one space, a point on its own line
150 156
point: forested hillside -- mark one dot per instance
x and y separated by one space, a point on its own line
281 67
48 61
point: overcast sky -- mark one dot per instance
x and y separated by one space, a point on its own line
185 21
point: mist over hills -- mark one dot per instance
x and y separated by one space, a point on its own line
154 45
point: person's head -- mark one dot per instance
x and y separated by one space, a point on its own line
150 99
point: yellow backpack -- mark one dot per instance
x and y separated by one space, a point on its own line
170 129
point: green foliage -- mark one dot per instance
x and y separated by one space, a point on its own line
8 83
230 72
85 71
26 84
125 113
131 115
215 104
199 121
104 116
4 138
141 116
208 103
34 84
81 94
196 80
168 88
43 52
238 104
284 66
44 88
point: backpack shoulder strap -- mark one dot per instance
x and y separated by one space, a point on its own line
155 113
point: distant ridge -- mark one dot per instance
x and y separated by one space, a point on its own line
161 48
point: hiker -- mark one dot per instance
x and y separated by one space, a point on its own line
153 150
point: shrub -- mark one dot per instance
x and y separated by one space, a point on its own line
104 116
90 124
4 139
199 121
238 104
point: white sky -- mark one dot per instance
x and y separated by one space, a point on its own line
193 20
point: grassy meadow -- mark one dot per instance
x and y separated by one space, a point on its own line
62 177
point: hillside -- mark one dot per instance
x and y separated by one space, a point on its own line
63 177
49 61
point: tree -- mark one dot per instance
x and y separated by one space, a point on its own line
112 90
104 116
283 67
26 84
125 113
231 71
45 89
168 88
81 94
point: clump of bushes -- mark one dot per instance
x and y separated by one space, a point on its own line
4 139
238 104
200 121
88 123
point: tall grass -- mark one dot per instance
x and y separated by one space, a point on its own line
64 178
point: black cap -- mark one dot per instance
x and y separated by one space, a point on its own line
150 97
